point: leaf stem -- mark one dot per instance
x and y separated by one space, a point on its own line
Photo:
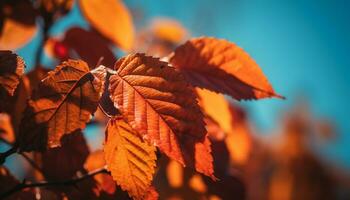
72 181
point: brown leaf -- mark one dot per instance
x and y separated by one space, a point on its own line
62 163
81 41
112 19
15 35
62 104
11 70
222 67
130 160
35 76
157 102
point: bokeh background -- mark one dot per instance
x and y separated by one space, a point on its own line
302 47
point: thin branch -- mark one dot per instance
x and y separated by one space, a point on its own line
72 181
25 156
32 162
6 154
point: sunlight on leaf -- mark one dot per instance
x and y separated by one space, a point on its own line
112 19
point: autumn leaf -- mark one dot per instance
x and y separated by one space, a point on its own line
11 70
6 130
35 76
112 19
81 41
157 102
169 30
104 181
152 194
72 153
62 104
15 35
223 67
197 154
239 140
217 107
130 159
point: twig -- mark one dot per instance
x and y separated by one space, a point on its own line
31 162
6 154
28 159
72 181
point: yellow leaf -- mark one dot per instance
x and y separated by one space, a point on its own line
169 30
15 35
217 107
112 19
131 160
174 172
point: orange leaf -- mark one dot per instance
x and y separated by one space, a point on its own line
15 35
169 30
157 102
152 194
239 140
222 67
112 19
6 130
95 161
11 70
130 160
217 107
62 104
197 154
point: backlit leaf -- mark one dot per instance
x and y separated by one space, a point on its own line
104 181
217 107
6 130
112 19
62 104
239 140
222 67
169 30
11 70
157 102
130 159
15 35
